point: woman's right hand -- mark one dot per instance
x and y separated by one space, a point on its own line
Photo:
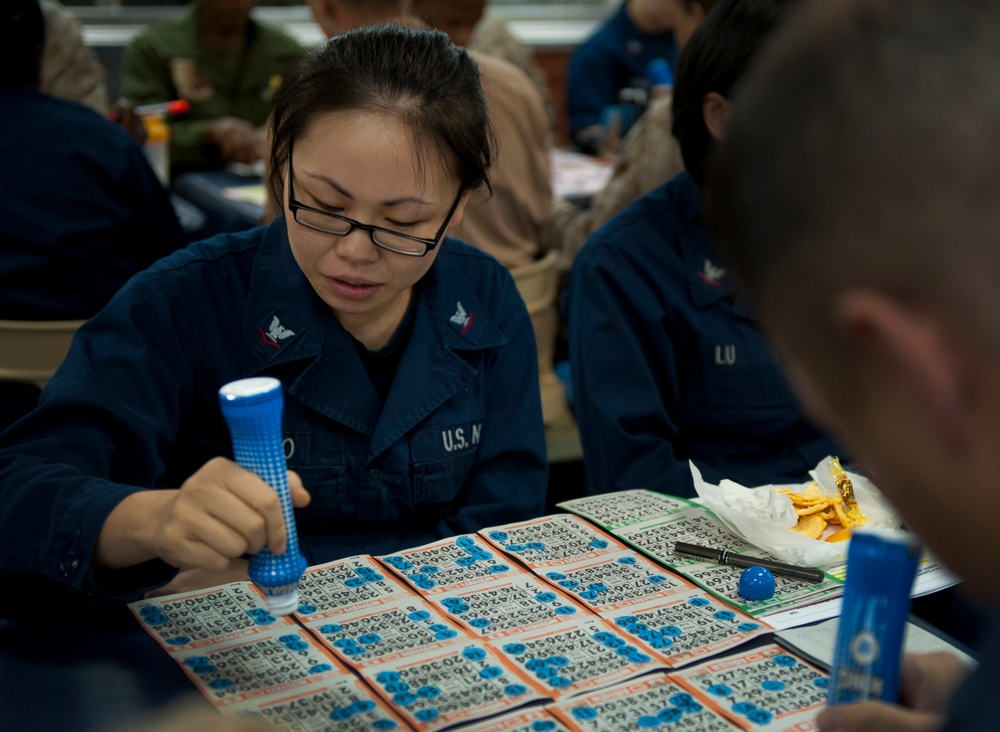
220 513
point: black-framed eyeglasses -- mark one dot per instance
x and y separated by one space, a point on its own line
331 223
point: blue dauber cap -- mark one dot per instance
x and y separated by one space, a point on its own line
756 583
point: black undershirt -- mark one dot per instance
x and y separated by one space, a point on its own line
381 364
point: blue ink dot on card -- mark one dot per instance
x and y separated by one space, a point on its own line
404 699
599 544
514 689
589 595
307 609
671 630
383 725
515 548
341 714
497 568
720 690
698 602
405 566
585 713
419 615
545 596
535 546
559 661
602 636
724 615
343 643
363 571
614 641
369 639
393 560
822 682
179 640
542 725
355 651
647 721
744 708
363 706
196 661
264 619
560 682
626 560
534 664
397 687
670 715
417 576
747 627
682 699
451 601
387 677
565 610
426 584
597 587
657 580
438 627
479 623
638 658
297 646
430 569
772 685
474 654
428 692
426 715
354 582
220 683
464 541
785 661
555 576
760 716
374 578
515 648
498 535
569 584
491 672
149 610
465 561
320 668
445 635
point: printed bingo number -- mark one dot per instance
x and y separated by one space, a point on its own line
650 703
242 670
338 586
464 682
497 609
761 687
457 562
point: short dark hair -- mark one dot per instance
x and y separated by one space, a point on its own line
22 38
864 151
419 75
714 60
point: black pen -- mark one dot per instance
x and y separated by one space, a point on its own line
723 556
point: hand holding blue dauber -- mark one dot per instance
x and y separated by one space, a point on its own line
253 408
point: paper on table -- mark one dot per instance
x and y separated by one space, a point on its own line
762 517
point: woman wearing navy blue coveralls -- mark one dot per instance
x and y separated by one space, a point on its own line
412 410
667 363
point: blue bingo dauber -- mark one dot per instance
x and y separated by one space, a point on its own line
252 409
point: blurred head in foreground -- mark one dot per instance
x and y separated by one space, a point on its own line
857 198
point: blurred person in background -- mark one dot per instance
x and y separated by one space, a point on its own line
668 365
82 210
616 57
649 157
222 61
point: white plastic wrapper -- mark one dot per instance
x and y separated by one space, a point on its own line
763 516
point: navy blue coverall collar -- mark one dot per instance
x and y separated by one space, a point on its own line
708 278
286 321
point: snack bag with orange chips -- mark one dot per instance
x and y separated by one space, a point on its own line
793 522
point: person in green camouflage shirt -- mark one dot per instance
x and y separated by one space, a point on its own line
226 64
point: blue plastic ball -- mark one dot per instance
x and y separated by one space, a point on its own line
756 583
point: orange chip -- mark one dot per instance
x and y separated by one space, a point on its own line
810 526
842 535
